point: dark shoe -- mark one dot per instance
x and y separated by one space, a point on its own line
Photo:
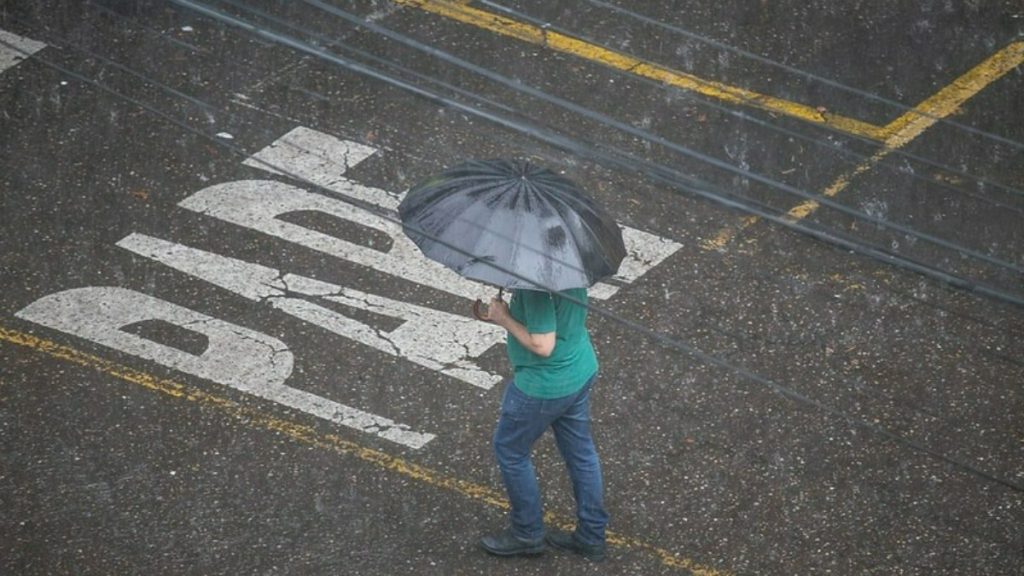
567 541
505 544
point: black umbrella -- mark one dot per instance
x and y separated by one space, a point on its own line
513 224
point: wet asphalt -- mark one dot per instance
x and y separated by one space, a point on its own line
843 414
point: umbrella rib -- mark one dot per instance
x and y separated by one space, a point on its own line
550 200
586 224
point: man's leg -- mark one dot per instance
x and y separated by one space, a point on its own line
519 426
573 436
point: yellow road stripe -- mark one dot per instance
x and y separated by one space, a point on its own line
903 130
948 100
459 11
308 435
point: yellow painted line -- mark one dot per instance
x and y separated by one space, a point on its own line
902 131
725 235
305 434
948 100
459 11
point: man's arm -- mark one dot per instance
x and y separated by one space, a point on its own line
539 344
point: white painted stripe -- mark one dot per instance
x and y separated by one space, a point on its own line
9 57
235 356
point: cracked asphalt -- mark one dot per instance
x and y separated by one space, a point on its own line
794 389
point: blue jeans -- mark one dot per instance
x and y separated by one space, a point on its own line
523 420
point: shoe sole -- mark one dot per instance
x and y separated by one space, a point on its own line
524 552
574 550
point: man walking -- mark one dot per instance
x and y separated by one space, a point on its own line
554 368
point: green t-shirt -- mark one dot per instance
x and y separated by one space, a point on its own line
572 363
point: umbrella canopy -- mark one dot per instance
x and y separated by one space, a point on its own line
513 224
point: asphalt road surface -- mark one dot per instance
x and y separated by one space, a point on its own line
220 355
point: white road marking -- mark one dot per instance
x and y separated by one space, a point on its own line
437 340
258 364
235 356
643 252
323 160
9 57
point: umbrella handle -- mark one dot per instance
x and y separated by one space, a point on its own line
476 311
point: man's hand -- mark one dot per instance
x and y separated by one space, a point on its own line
497 312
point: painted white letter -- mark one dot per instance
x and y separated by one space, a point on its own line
234 356
431 338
